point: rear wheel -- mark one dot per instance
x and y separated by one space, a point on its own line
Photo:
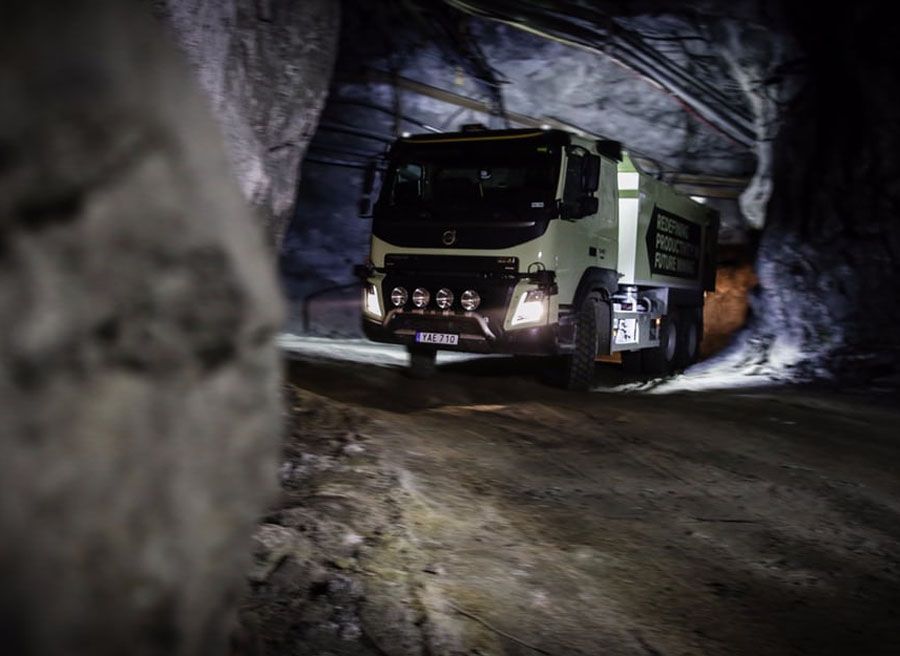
422 361
591 324
689 336
661 360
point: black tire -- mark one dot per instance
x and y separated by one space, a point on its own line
422 362
689 335
604 327
578 373
662 360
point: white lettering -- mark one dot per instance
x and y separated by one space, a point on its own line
673 226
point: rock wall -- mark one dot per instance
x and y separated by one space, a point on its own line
138 376
758 51
829 254
265 66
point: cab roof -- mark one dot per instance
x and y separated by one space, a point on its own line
554 137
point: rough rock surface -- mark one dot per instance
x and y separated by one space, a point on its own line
828 256
759 58
265 67
138 377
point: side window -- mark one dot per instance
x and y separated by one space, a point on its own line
407 183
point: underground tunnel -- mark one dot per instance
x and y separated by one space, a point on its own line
452 327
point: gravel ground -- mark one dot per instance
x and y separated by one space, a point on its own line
484 512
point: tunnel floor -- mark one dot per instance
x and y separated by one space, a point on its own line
485 512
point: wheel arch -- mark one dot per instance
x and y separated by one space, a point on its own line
596 279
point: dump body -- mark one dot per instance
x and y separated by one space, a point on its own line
665 239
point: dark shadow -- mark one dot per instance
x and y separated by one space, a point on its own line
482 380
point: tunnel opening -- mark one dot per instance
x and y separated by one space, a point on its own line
726 310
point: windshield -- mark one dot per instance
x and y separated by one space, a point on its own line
496 179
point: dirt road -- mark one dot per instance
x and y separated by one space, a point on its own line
484 512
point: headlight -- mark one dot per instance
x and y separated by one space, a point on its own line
531 307
470 300
421 297
444 298
371 302
399 296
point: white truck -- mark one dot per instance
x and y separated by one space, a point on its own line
535 242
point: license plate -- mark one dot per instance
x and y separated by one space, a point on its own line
627 331
437 338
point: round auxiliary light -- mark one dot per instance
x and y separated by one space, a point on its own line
444 298
399 296
421 297
470 300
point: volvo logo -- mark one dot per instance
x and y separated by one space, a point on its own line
449 237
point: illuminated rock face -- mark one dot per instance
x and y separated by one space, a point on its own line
265 68
828 255
138 379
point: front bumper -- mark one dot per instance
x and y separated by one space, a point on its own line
488 329
476 332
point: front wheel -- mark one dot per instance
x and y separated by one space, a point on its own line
579 365
422 362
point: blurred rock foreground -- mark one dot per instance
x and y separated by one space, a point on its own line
138 377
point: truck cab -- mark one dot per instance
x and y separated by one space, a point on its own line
537 242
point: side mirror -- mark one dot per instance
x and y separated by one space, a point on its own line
590 174
588 205
368 187
578 208
369 174
582 180
609 148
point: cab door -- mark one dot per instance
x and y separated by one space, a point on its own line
590 197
